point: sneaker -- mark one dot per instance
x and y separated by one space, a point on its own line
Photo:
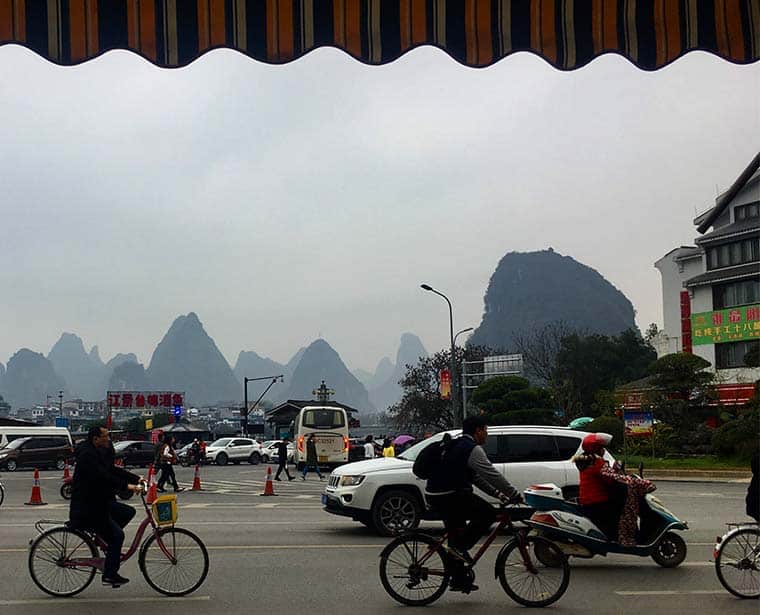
321 478
114 581
179 489
303 478
160 490
466 587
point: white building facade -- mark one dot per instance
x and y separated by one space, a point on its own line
711 290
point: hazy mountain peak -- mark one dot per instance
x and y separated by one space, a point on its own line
83 375
388 390
30 378
95 356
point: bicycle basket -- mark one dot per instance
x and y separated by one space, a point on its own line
165 509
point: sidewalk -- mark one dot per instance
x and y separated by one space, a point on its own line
700 476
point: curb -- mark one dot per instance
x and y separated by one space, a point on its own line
710 476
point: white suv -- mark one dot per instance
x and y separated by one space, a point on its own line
224 450
385 494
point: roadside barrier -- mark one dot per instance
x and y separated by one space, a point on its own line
197 479
66 471
36 498
269 485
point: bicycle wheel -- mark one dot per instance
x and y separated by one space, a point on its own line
405 578
738 563
533 581
184 571
50 558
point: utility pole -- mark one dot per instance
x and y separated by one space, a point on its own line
60 402
245 396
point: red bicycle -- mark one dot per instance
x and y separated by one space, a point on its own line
63 560
415 569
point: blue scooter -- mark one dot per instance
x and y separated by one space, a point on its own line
563 522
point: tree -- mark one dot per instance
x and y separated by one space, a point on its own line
652 332
421 407
539 349
682 374
510 400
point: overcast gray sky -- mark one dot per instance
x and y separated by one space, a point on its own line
284 203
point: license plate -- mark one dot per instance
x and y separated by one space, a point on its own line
323 459
324 499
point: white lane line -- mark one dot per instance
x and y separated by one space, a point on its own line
685 592
73 602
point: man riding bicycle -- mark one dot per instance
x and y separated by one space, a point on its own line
93 505
449 492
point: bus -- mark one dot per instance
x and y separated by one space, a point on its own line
329 424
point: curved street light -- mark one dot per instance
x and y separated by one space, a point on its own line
452 366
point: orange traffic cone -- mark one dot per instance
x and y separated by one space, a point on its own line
66 471
197 479
268 485
36 499
152 486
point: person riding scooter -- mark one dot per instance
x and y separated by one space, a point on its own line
609 497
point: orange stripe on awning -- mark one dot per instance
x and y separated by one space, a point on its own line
339 26
204 40
734 30
405 24
470 32
132 18
596 24
77 30
272 42
419 22
720 26
218 27
148 30
6 20
93 42
660 39
19 24
353 28
286 33
609 25
548 40
483 24
672 30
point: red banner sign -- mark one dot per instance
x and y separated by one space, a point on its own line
445 384
145 400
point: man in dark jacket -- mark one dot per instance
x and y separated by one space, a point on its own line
449 491
282 458
753 491
94 484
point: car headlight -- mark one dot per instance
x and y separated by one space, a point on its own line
351 481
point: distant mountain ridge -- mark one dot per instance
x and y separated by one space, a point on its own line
529 290
389 392
82 373
30 378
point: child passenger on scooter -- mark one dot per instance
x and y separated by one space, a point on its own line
609 497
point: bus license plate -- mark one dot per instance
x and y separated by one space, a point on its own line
323 459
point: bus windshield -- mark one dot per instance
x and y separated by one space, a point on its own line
324 419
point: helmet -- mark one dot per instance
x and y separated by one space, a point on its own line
595 442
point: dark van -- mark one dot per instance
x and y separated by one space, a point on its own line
36 452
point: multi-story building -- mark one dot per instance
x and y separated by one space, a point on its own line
711 291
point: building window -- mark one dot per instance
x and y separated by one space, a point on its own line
745 292
751 210
732 354
736 253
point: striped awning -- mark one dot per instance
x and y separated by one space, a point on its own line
566 33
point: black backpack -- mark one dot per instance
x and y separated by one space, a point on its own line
430 458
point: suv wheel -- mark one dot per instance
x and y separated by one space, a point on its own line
395 512
60 464
11 465
254 459
221 459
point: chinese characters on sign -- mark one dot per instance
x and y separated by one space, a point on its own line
638 424
146 400
731 325
445 384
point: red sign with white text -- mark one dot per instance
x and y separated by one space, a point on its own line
145 400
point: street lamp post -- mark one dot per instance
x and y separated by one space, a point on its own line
452 367
60 402
464 375
245 396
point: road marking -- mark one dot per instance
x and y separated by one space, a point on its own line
76 601
668 592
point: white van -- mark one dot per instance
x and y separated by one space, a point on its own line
9 434
329 424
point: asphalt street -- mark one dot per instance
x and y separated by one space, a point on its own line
284 553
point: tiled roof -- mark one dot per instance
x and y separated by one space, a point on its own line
725 274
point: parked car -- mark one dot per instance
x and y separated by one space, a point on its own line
384 494
134 452
37 452
234 449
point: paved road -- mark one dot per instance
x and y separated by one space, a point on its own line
285 553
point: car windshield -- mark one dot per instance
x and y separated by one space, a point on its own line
323 419
221 442
411 453
269 443
16 443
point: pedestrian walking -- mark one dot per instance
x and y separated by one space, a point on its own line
369 447
282 459
311 458
168 458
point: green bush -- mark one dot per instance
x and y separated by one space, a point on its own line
611 425
738 438
536 416
498 387
527 398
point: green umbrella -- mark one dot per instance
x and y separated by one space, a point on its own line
580 422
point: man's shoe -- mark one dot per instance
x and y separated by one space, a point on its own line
160 490
303 478
115 580
179 489
291 478
277 478
465 587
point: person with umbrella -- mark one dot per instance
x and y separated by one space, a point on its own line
401 443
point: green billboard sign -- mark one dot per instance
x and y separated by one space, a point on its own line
731 325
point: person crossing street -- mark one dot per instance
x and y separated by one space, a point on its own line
282 458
